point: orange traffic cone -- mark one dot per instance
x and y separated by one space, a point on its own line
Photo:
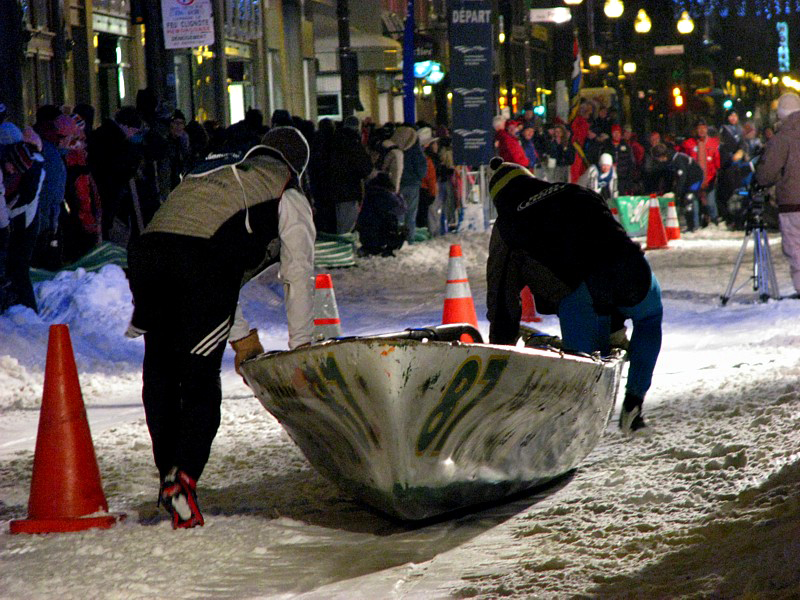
458 305
66 493
656 233
673 226
528 306
326 315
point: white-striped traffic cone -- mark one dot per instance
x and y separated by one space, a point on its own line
458 304
673 226
326 315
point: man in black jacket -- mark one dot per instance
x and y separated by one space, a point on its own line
350 166
687 180
562 241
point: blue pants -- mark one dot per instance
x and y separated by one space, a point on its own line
583 330
411 197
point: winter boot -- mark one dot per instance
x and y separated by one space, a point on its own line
630 417
180 499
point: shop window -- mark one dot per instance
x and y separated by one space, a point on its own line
240 89
328 105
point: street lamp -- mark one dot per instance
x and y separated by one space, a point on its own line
572 2
642 24
685 23
629 68
614 9
595 60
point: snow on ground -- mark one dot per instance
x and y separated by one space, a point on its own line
705 503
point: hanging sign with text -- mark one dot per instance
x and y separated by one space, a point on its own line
471 81
187 23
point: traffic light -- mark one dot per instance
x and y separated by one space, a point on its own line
677 97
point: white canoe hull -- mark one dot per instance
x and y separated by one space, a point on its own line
418 429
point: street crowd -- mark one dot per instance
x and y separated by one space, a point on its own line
69 185
704 169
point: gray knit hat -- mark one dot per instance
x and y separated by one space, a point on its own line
291 145
788 103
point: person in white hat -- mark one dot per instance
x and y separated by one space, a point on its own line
602 178
430 204
780 166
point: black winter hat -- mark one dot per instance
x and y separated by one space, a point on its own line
504 173
291 145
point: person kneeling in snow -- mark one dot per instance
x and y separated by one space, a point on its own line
224 223
380 221
562 241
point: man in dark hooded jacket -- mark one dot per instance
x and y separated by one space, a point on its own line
562 241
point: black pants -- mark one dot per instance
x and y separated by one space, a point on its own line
182 398
21 243
185 301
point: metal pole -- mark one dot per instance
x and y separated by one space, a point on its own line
409 101
220 68
348 65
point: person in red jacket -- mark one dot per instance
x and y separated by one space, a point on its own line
580 127
705 150
507 145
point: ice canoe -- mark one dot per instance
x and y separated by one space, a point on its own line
417 428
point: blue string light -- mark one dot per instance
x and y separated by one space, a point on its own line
767 9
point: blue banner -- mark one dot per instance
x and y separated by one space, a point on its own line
471 67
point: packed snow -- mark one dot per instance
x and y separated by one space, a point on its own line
704 503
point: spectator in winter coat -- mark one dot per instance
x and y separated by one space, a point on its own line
221 226
56 131
350 165
655 177
508 146
81 224
380 225
583 267
780 166
415 166
430 208
732 151
529 145
602 179
320 164
198 143
705 150
563 152
387 155
580 133
624 164
23 178
687 180
178 152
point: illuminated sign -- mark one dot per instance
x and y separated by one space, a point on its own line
784 64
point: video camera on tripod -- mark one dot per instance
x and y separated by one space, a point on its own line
754 203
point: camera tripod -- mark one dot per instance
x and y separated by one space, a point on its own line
763 277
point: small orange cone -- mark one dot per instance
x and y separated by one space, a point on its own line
66 493
326 315
615 213
528 306
656 233
458 305
673 226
